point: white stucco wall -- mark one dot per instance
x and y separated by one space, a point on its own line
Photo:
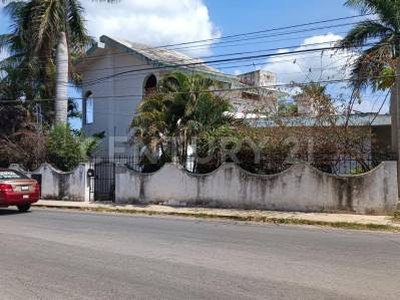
300 188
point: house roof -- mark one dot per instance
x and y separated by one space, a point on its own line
363 119
158 54
165 58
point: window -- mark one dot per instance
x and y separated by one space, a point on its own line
10 174
150 85
89 108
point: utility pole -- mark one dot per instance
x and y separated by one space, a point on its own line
394 113
39 128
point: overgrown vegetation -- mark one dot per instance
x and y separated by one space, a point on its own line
181 109
30 77
184 121
257 217
44 40
60 146
67 149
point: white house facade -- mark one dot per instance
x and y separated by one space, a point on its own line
117 74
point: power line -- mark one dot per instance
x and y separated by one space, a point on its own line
262 31
196 60
243 58
231 54
210 56
251 57
319 49
219 62
139 74
255 32
270 35
380 108
270 86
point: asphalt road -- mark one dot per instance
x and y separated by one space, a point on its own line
67 255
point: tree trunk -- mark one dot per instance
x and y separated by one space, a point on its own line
61 100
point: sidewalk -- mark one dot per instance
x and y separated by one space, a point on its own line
347 221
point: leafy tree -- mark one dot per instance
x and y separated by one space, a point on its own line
66 149
287 110
45 35
63 149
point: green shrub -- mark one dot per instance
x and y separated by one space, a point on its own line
66 148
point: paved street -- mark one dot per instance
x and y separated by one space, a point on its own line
49 254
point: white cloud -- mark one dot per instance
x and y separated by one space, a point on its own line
315 66
327 65
155 22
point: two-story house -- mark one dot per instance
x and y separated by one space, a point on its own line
117 74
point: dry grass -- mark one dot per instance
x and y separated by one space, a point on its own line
259 219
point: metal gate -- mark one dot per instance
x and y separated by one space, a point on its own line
103 181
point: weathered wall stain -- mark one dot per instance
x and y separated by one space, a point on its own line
300 188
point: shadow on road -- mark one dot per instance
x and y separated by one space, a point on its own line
10 211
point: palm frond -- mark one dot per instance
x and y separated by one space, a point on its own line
368 67
5 41
47 20
363 32
77 32
387 10
383 34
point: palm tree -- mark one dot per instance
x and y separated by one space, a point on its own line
182 108
378 65
21 71
42 28
315 96
379 38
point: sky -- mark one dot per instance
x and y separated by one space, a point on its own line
160 22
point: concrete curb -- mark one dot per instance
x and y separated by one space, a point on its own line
344 221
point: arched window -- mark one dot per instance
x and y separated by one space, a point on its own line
150 85
89 108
